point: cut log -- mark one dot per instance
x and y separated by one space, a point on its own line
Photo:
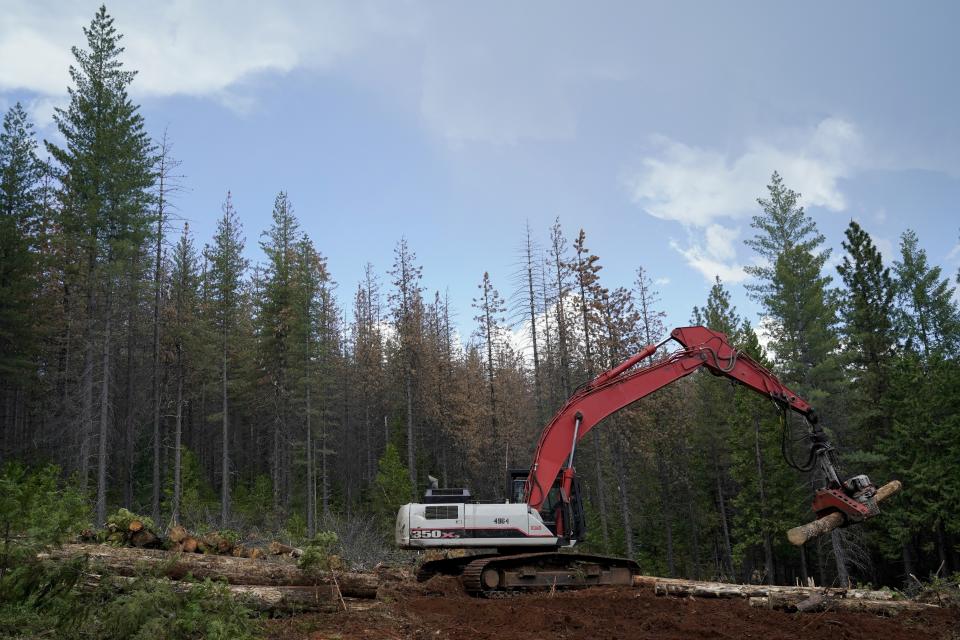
216 543
190 544
260 598
134 526
826 524
824 603
280 549
144 538
241 571
679 587
177 533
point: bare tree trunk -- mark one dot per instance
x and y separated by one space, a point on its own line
943 547
724 525
129 422
101 509
537 382
177 439
86 393
324 469
411 445
767 542
225 454
667 510
155 496
620 468
311 490
836 541
908 569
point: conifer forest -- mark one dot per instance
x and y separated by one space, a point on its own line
166 373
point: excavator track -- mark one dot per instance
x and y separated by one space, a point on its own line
496 576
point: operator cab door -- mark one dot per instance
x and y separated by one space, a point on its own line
557 511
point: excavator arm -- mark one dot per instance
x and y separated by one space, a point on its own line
626 383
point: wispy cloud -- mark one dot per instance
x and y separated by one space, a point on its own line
468 74
183 48
707 189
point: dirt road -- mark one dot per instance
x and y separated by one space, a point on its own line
600 614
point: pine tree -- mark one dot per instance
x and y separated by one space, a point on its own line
869 341
185 281
927 319
715 420
21 175
106 170
798 306
227 269
408 321
276 317
167 185
489 329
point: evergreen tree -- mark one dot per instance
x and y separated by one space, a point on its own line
106 171
391 488
489 329
868 337
227 269
21 175
185 282
716 423
927 319
407 304
798 307
276 317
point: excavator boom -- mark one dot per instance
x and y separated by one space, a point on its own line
623 385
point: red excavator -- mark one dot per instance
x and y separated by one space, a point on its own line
544 511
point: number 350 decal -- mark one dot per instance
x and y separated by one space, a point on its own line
433 533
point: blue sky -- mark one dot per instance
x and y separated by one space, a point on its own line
652 126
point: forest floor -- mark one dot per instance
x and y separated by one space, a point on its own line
441 611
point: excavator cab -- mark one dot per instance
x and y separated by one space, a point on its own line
561 511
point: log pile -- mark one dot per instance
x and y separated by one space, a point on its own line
263 584
799 599
126 528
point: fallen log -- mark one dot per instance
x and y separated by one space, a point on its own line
826 603
278 599
280 549
696 588
238 571
826 524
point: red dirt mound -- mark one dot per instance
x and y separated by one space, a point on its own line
602 613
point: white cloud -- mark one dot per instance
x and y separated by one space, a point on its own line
470 75
660 282
954 253
188 48
704 260
700 188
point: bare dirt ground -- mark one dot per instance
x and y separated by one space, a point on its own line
441 611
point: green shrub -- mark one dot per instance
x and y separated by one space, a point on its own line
319 555
156 609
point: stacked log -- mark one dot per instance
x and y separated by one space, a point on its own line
127 529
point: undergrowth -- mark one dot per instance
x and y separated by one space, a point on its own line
71 600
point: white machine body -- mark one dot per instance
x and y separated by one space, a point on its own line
461 525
